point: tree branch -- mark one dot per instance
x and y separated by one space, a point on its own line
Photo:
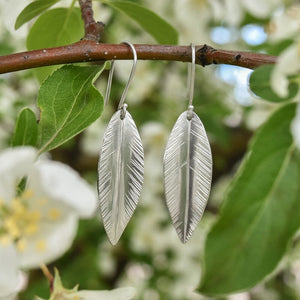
87 50
93 29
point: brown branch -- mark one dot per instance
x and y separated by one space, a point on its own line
87 50
93 29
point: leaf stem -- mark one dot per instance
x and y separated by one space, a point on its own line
48 275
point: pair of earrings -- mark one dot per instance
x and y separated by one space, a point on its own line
187 166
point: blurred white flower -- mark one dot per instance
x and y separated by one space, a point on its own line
232 12
261 9
240 296
192 18
125 293
9 11
284 24
39 224
259 113
144 80
91 142
288 64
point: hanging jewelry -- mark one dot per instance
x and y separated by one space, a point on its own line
121 166
187 167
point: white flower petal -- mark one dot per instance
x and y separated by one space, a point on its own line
126 293
288 63
18 160
282 27
14 163
260 9
60 182
9 274
53 241
9 12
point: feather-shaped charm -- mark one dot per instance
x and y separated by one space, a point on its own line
120 173
187 173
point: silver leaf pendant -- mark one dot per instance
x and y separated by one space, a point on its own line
120 173
187 174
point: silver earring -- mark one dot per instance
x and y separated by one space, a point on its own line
121 166
187 167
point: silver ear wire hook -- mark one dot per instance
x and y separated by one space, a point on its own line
109 81
191 82
110 76
131 73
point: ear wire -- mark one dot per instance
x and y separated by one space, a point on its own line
191 82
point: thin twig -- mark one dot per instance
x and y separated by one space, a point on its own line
87 50
93 29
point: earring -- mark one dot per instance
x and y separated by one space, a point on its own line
187 167
121 166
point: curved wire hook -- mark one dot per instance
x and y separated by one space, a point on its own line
109 81
131 74
110 76
191 82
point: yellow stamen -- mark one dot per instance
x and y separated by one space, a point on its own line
28 194
42 201
34 215
21 245
31 229
41 245
54 214
17 207
19 221
5 240
11 225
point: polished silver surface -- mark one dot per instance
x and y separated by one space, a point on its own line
187 173
120 173
109 81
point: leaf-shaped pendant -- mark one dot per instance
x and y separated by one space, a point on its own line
120 173
187 174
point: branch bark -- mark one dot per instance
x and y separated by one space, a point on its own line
93 29
90 50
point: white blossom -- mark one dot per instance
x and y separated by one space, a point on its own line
261 9
125 293
39 224
288 64
284 24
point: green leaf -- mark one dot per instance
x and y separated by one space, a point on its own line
56 27
26 131
69 103
32 10
260 85
260 214
160 30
